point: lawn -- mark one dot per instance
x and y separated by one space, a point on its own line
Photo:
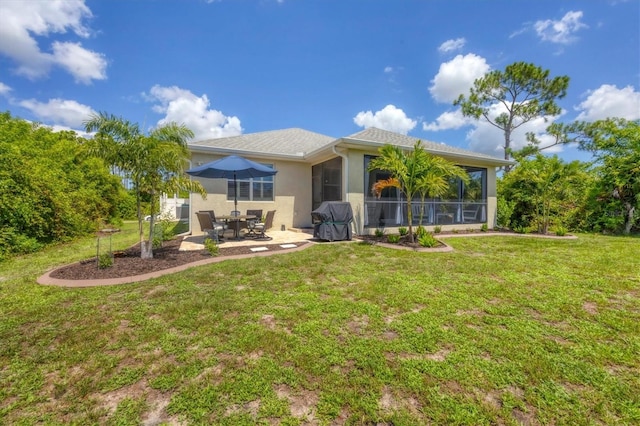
503 330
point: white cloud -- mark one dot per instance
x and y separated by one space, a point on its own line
609 101
62 112
388 118
83 64
447 121
4 89
562 31
22 21
388 70
183 107
456 77
451 45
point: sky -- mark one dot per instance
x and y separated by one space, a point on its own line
335 67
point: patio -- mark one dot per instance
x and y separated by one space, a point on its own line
282 238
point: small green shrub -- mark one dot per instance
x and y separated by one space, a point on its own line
420 231
393 239
561 231
105 260
402 231
437 229
212 247
521 229
484 227
427 240
378 232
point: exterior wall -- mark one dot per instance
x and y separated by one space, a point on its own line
292 195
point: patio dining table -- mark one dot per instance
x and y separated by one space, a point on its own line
235 220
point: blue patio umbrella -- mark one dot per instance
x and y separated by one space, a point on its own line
234 167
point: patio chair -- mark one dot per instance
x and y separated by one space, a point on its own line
250 223
260 228
208 225
470 215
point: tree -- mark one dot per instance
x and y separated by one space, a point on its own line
523 91
615 145
414 173
154 162
50 191
544 191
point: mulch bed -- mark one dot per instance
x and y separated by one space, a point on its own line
404 241
128 263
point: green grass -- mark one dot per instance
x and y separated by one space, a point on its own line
504 330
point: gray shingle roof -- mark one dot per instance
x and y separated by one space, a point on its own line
293 142
381 137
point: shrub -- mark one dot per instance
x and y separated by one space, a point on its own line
105 260
402 231
379 232
437 229
393 239
427 240
484 227
521 229
561 231
420 231
211 246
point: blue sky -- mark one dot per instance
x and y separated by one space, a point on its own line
335 67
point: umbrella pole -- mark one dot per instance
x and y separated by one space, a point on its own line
235 192
236 223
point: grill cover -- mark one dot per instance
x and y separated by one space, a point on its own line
332 221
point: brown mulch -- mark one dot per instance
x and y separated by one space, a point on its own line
404 241
128 263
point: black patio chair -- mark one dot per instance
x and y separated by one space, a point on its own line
260 228
209 226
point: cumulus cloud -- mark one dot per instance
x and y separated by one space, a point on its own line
448 120
63 113
83 64
609 101
562 31
23 24
183 107
388 118
451 45
457 76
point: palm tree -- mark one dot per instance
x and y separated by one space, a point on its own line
435 181
414 173
155 162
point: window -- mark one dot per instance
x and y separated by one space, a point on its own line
252 189
326 183
462 203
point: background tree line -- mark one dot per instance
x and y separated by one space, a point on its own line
543 192
51 190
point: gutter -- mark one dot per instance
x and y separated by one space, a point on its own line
494 161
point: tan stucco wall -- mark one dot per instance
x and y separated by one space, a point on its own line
292 189
293 196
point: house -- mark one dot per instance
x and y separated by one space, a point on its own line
313 168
